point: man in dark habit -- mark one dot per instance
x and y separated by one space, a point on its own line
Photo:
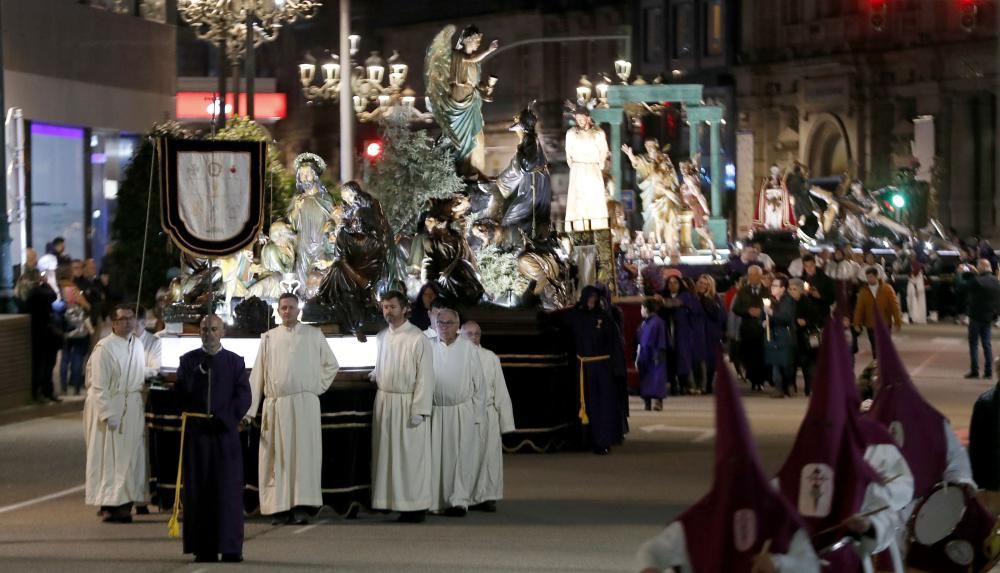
213 380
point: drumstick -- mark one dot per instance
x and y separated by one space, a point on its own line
765 548
892 479
841 524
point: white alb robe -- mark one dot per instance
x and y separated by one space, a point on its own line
497 418
454 439
896 493
152 345
401 452
669 549
916 299
294 366
586 154
116 459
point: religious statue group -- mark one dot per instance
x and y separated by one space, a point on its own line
788 201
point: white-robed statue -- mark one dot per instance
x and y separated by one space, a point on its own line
308 214
114 421
586 155
774 204
660 192
294 366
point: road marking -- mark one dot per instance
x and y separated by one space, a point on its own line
663 428
310 526
42 499
704 437
919 369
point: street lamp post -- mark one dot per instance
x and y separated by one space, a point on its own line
346 117
6 264
238 27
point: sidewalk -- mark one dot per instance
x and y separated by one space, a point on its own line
31 411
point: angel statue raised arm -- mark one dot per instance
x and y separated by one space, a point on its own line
659 190
454 85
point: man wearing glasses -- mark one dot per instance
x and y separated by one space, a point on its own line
458 372
114 420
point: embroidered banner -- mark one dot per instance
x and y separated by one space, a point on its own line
212 194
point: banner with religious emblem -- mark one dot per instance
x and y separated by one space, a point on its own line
212 194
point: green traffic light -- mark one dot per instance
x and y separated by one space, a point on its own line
898 201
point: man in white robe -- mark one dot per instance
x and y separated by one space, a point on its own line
401 432
114 421
458 372
294 366
497 417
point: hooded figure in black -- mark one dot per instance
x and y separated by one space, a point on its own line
525 182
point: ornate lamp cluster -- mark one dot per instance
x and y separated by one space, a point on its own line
591 95
373 97
224 22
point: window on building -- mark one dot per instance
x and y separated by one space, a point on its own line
652 34
683 25
57 187
713 29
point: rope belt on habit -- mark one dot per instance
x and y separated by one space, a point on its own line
173 525
583 399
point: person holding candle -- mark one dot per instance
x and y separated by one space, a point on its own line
779 324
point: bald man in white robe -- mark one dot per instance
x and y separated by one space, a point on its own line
458 372
497 417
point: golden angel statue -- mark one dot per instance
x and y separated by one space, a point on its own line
659 187
453 75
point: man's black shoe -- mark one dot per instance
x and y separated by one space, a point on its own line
971 375
487 506
602 451
232 558
206 558
455 512
987 375
412 516
142 510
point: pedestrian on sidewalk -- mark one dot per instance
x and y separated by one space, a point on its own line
982 296
879 297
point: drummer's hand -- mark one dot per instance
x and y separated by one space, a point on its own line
762 563
858 524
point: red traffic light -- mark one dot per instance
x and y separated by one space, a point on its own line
968 14
878 14
373 150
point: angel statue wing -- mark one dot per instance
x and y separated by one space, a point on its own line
437 76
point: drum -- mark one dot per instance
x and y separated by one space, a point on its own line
947 531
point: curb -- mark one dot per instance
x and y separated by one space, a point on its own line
31 412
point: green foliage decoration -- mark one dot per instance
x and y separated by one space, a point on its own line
412 171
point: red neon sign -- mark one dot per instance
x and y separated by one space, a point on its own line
199 105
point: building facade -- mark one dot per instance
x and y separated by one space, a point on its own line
80 114
868 87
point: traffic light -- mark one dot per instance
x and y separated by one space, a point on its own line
878 14
968 14
898 200
373 150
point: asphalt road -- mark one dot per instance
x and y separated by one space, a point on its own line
563 512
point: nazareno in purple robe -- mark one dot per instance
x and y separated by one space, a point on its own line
595 334
686 332
652 358
743 514
213 458
833 436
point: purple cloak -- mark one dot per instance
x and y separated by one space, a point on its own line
916 425
728 527
652 358
828 454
